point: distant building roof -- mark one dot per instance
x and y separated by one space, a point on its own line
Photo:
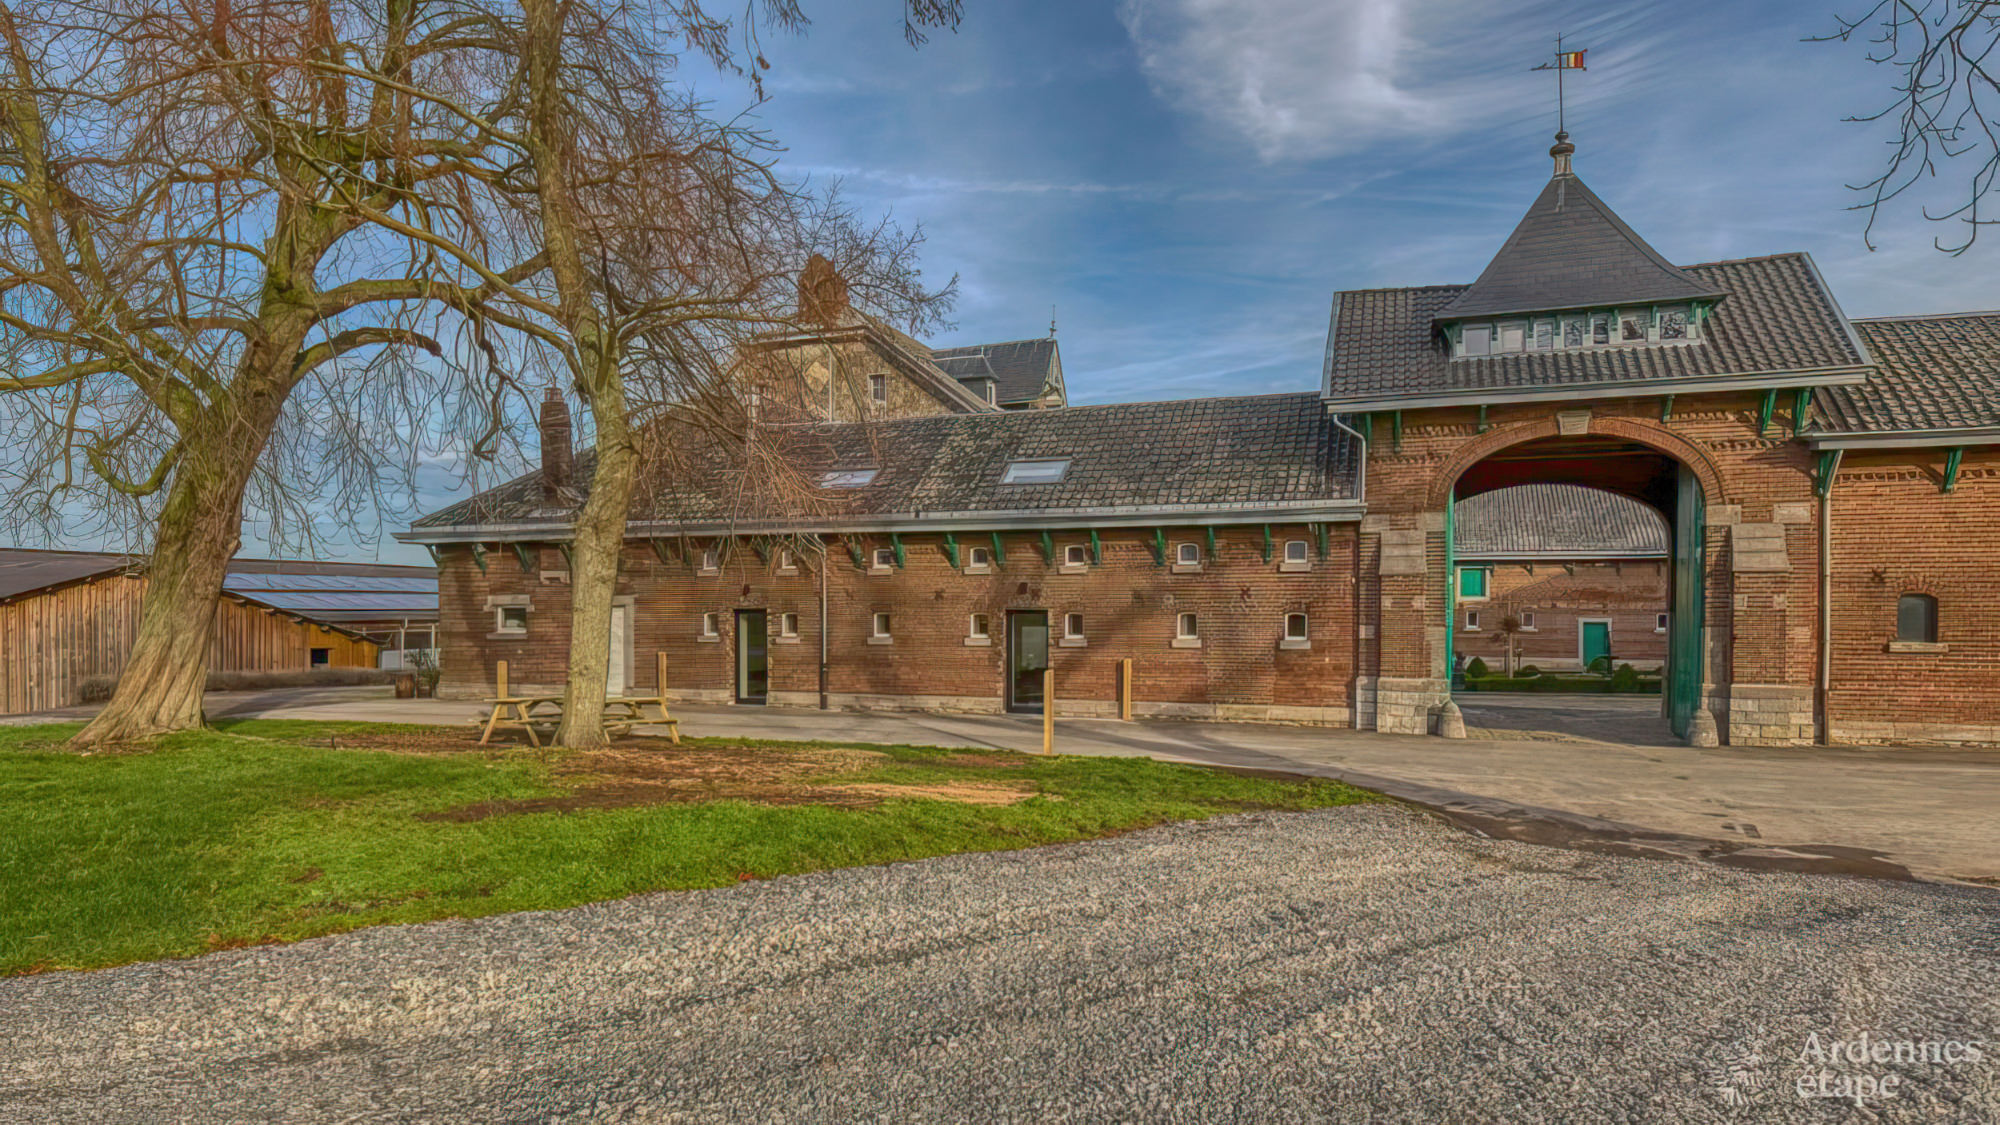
1933 373
1277 455
1384 350
334 593
1022 370
23 571
1556 521
1571 251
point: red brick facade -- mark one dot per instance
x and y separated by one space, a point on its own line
1550 597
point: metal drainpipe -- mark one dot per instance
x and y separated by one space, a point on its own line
822 624
1826 614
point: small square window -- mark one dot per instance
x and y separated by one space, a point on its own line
1073 625
1188 554
1660 623
1035 472
1545 335
1600 328
1296 551
319 657
878 388
1472 581
788 624
711 624
1186 628
1673 324
711 559
981 627
1472 619
787 560
1295 627
1076 554
1917 619
881 625
511 619
885 558
979 557
1476 340
1634 325
1527 622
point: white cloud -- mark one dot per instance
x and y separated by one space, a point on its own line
1304 79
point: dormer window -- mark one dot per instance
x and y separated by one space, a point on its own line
1600 329
1632 327
1513 337
1635 325
1477 340
1673 324
1545 335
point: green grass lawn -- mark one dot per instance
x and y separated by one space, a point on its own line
274 831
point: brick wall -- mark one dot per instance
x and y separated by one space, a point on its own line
1129 605
1631 593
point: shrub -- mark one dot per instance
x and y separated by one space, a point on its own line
1477 668
1626 678
97 689
1600 666
1527 672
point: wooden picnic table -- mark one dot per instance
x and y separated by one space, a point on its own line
536 715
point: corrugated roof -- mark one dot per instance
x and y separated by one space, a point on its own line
1270 450
1556 521
1021 369
23 570
1571 251
1932 373
1778 318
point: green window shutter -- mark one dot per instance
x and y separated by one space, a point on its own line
1472 582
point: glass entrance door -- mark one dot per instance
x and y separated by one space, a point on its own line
1027 659
753 657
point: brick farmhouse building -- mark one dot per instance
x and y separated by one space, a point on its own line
1828 490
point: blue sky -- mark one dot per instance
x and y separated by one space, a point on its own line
1187 181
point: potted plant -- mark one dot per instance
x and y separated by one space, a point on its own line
423 661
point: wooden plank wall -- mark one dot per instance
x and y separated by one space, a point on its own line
51 643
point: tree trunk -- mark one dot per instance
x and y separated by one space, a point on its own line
159 689
593 581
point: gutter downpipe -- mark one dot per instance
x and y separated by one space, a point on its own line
1826 605
1361 498
822 623
1361 485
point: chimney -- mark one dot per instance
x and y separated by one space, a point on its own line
822 293
558 453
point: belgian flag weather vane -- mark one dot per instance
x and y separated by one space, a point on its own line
1565 60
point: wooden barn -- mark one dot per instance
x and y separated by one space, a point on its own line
67 617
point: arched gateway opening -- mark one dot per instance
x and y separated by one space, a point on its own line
1658 470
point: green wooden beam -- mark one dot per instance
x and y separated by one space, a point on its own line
662 551
1267 542
1396 430
1829 466
1048 546
1096 549
1368 426
1482 418
1667 408
761 550
479 556
433 551
1951 462
1211 540
521 556
896 544
951 548
999 552
1764 412
854 552
1159 546
1320 540
569 557
1801 406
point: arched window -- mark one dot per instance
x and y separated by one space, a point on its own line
1917 618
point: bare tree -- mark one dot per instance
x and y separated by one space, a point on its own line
195 194
1946 107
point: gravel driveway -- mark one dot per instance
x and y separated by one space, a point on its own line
1360 963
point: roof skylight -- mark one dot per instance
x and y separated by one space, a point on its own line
1049 471
848 478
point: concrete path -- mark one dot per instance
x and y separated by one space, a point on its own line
1930 811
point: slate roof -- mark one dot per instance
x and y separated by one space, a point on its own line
1021 369
23 570
1779 318
1932 373
1571 251
1555 521
1269 452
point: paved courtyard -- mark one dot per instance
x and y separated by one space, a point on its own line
1925 810
1366 963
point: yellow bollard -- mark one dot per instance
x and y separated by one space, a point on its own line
1125 689
1048 710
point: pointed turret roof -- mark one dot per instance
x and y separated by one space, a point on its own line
1573 252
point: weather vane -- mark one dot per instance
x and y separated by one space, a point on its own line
1565 60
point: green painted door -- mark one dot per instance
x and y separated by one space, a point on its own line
1684 664
1596 640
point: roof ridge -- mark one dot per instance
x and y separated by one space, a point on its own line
1779 256
995 344
1064 410
1904 318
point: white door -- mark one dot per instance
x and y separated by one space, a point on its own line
614 680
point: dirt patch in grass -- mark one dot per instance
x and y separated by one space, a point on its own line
657 774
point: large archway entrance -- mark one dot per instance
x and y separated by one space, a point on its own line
1643 474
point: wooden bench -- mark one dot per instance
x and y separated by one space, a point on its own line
539 715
